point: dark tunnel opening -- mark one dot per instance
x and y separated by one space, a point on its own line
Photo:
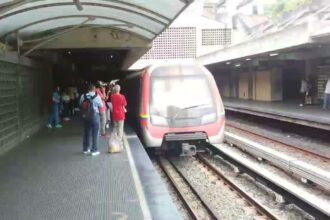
76 66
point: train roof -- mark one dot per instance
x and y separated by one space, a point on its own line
167 69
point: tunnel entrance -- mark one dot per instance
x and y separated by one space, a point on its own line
88 65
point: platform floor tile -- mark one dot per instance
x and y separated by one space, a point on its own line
47 177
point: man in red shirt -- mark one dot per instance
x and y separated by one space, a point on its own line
118 111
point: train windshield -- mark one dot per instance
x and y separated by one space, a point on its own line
181 100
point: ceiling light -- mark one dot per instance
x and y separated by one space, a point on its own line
273 54
247 59
228 63
238 65
69 52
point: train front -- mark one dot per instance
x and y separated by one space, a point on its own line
183 108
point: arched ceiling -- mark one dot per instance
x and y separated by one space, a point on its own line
145 18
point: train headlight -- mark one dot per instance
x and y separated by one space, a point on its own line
209 118
158 120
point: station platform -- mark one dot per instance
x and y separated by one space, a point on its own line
308 115
48 177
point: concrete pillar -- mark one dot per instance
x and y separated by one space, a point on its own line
311 73
308 68
234 84
251 79
276 84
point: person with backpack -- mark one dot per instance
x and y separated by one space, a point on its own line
90 109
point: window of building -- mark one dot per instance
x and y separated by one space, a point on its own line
216 37
176 42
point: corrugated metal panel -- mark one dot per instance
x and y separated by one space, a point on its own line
22 101
9 124
29 101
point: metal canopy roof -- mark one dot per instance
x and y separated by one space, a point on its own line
144 18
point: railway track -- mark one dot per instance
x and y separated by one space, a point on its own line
307 200
260 211
185 190
308 167
195 206
324 158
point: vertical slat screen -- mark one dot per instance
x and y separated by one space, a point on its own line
9 121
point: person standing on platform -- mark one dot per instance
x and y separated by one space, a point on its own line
91 104
101 93
118 111
326 101
303 91
66 106
72 93
55 115
109 107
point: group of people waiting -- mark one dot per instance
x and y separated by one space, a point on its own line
305 95
100 103
63 104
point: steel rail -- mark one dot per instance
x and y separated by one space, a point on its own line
327 159
209 210
289 195
188 207
252 202
283 118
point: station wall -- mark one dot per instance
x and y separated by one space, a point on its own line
243 86
279 81
223 83
25 86
262 85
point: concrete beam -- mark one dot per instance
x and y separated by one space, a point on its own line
133 56
317 52
285 39
321 31
99 37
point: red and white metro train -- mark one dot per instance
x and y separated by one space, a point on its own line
175 104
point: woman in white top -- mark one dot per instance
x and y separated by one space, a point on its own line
326 102
303 91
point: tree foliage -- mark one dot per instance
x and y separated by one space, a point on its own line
281 7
